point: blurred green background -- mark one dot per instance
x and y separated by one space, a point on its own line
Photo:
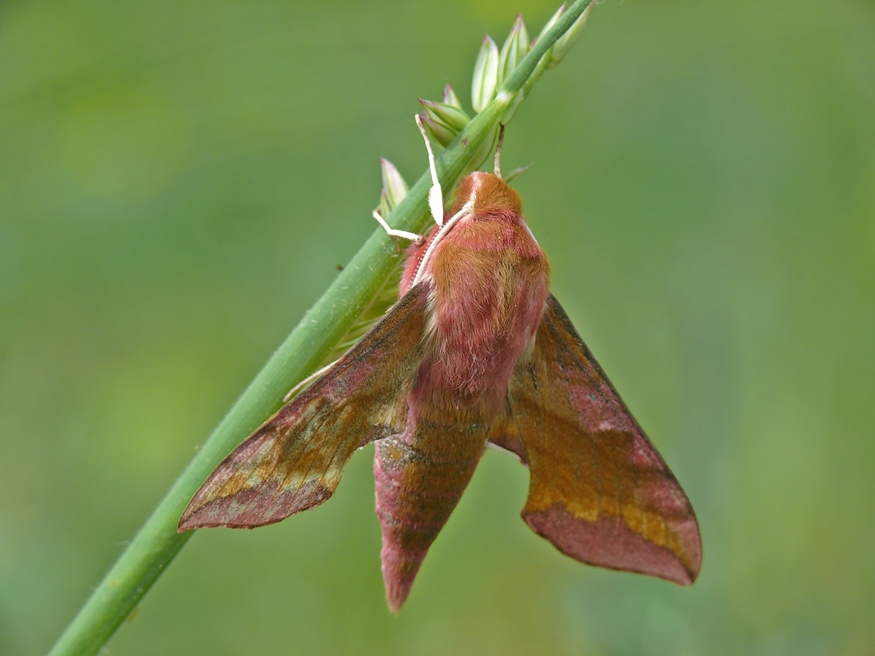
180 180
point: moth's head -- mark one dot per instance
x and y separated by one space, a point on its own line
489 193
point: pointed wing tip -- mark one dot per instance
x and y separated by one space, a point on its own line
690 558
685 576
687 581
208 516
195 525
692 568
195 518
190 519
253 507
608 542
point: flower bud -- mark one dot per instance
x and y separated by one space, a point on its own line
563 45
514 49
436 130
485 81
550 23
450 97
394 188
450 117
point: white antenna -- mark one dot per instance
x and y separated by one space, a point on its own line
435 195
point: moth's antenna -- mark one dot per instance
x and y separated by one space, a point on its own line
435 195
516 172
498 150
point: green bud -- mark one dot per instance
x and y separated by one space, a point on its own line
550 23
384 208
450 97
563 45
485 81
514 49
452 118
437 131
394 188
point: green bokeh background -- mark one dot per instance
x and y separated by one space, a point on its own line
180 180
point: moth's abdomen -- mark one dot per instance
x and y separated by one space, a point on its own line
419 478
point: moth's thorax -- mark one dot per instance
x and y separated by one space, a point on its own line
488 287
489 192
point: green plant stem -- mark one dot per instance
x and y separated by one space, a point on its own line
157 542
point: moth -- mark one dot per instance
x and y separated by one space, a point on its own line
475 352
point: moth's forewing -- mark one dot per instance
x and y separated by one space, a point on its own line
599 490
377 307
295 460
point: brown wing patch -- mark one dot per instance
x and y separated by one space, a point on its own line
504 433
599 490
295 460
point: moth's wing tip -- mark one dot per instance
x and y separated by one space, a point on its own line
195 524
694 566
608 542
198 516
193 516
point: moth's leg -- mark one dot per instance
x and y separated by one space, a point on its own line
392 232
435 195
497 160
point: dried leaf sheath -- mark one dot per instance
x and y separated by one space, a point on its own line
294 461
